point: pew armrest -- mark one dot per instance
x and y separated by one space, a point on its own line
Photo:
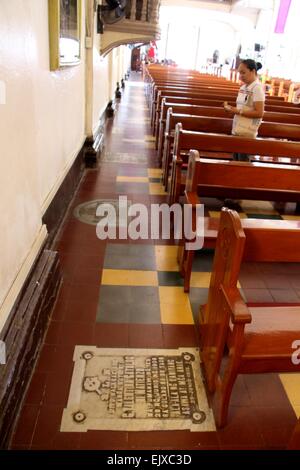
239 311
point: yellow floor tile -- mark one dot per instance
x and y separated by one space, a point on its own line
173 295
258 207
290 217
132 179
156 189
175 307
124 277
291 383
154 172
176 314
297 411
149 138
216 214
166 258
200 279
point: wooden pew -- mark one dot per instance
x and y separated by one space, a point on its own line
259 339
209 85
205 85
202 93
213 187
217 99
211 226
207 101
194 109
185 257
221 126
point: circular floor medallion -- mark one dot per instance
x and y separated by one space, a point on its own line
87 211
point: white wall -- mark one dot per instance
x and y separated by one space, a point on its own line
101 92
59 103
41 128
107 71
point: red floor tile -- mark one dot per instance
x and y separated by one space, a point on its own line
47 427
36 389
112 335
242 429
276 423
81 310
57 388
145 336
53 331
26 425
66 441
104 440
176 336
72 333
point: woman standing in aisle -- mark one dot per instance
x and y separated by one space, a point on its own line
249 109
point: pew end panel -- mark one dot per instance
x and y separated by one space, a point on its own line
259 339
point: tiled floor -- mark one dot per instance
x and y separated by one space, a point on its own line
128 293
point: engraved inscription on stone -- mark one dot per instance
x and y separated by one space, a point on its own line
163 388
133 391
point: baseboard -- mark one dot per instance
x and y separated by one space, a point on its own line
21 276
23 334
56 210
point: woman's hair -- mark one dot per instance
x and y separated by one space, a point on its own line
251 64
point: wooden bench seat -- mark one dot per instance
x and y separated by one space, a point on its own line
196 110
229 144
210 87
269 320
211 226
210 100
220 126
259 338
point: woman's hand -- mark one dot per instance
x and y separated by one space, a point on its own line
227 107
231 109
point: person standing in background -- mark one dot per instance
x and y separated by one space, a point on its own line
250 103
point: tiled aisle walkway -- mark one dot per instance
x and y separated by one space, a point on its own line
129 294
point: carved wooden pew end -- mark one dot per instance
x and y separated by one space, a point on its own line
259 339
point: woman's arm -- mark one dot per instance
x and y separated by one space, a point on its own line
257 112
